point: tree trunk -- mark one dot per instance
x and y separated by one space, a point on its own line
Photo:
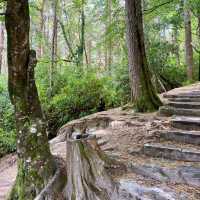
108 37
87 169
198 18
109 43
89 51
176 45
35 162
82 36
42 21
188 42
54 43
1 45
142 91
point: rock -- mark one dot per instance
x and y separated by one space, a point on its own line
180 175
184 99
171 152
169 111
185 105
149 193
188 137
182 95
186 123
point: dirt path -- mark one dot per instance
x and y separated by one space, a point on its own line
8 171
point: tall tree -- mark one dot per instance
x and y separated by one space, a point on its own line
54 42
176 45
142 90
35 162
188 41
108 49
198 18
42 22
1 45
81 47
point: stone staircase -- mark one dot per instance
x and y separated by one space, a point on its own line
182 104
174 154
181 141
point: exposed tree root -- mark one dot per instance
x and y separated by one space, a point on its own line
53 190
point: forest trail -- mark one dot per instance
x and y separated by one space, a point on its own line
8 171
162 152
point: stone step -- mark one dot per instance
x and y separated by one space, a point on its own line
171 152
187 137
183 174
186 123
182 95
184 99
169 111
185 105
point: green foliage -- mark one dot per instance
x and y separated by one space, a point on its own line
164 64
6 109
75 95
122 82
7 142
7 124
77 92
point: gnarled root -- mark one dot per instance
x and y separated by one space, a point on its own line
53 190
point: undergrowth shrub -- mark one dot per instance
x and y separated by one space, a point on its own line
7 142
75 95
7 122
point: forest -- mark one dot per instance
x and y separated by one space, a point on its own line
79 76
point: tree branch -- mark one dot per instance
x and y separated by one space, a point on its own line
195 48
150 10
56 61
66 38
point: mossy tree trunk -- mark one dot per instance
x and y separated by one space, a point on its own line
35 162
1 45
142 91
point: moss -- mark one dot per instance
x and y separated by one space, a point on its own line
35 164
148 101
144 105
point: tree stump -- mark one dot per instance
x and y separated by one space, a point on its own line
88 177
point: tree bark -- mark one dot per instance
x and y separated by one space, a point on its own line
54 43
143 93
176 45
89 51
35 162
1 45
198 18
188 42
42 22
81 47
87 169
108 39
109 43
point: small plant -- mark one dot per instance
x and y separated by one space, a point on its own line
7 142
